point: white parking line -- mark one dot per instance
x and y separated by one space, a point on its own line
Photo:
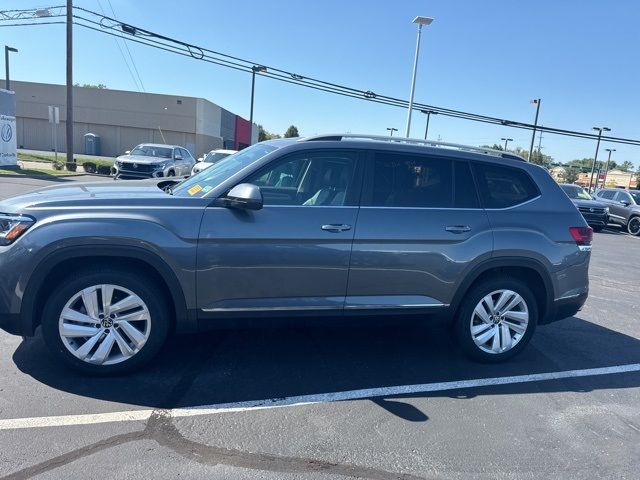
142 415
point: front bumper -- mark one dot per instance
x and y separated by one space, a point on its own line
599 220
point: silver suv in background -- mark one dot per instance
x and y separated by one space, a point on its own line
151 160
336 225
624 207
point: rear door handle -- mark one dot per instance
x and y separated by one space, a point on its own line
336 227
458 228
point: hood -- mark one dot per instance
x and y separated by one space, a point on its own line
578 202
142 159
75 194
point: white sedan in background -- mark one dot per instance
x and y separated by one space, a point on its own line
209 159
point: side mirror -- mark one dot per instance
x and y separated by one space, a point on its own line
127 152
200 159
625 203
245 196
178 157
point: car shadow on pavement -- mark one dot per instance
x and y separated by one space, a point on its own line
225 366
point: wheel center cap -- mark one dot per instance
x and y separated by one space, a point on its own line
107 322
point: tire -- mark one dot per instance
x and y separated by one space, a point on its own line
633 226
128 344
597 228
467 318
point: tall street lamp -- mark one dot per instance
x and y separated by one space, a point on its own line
506 141
595 159
255 69
391 130
428 113
421 21
8 49
606 169
537 102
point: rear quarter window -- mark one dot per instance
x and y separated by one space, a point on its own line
502 187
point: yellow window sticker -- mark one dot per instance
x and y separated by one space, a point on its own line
195 189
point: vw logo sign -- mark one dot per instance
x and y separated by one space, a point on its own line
135 165
591 210
6 133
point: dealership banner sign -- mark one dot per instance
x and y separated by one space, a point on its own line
8 152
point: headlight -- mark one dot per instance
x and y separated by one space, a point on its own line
12 226
160 166
606 209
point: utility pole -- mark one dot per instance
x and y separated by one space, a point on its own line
391 130
537 102
595 159
428 114
506 142
606 169
254 69
69 123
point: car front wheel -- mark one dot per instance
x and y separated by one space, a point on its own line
633 227
496 319
105 322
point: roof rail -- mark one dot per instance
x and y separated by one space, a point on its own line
411 141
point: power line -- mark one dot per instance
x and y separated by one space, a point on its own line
127 32
126 45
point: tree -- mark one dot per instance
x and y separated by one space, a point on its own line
540 158
291 132
571 175
495 146
100 86
625 166
265 135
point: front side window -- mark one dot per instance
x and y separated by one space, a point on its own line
606 194
307 179
401 180
502 187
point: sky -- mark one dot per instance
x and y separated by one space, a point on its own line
489 57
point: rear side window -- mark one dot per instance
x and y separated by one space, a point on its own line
464 189
607 194
411 181
502 187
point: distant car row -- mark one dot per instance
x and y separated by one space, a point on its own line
150 160
607 206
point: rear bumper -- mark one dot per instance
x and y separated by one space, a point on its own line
566 307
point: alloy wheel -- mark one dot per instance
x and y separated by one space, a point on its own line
499 321
104 324
634 226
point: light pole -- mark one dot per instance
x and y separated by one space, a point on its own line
391 130
7 49
420 21
537 102
255 69
428 113
606 169
506 141
595 159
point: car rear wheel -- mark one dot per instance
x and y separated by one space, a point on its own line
496 319
633 227
105 322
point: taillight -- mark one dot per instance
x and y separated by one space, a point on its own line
582 235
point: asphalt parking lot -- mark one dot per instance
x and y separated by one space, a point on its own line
390 401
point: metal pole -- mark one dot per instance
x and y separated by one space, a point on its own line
6 66
535 125
253 89
413 81
593 167
426 130
606 169
505 144
69 122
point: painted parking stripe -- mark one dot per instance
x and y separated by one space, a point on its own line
143 415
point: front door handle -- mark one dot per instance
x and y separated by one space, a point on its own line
336 227
458 228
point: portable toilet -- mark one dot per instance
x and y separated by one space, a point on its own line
92 144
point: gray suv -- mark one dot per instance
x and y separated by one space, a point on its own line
338 225
624 207
152 160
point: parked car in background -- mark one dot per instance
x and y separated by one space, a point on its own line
210 158
151 160
335 226
624 207
594 212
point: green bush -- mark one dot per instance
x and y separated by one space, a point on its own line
58 165
89 167
104 170
71 166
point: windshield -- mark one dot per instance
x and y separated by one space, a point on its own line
151 151
214 157
636 196
576 192
202 183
